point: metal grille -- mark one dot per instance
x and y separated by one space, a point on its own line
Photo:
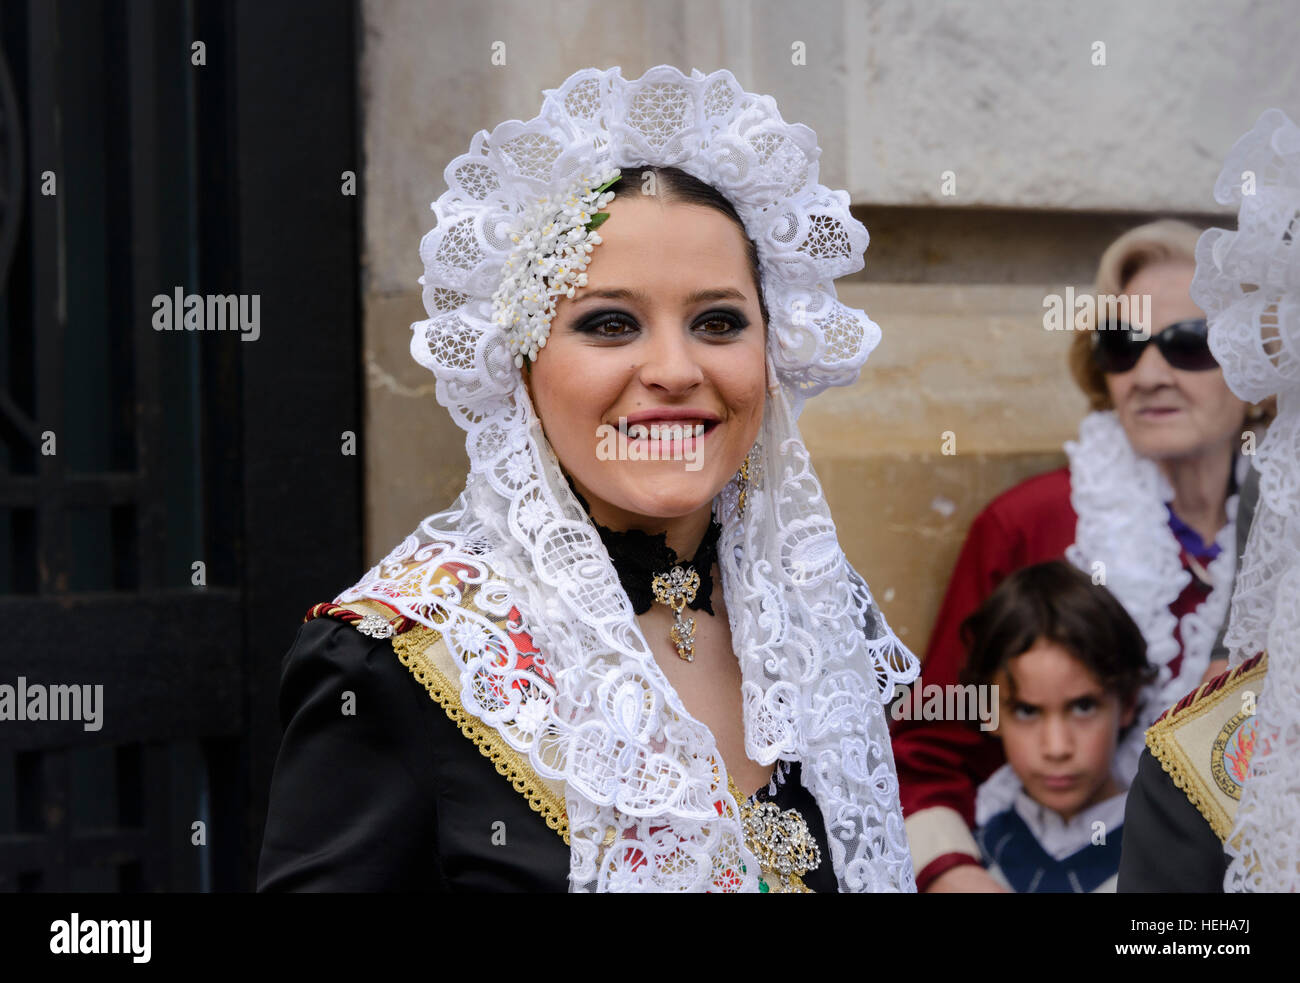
104 505
170 448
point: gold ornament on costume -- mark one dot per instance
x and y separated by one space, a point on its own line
781 842
747 476
677 589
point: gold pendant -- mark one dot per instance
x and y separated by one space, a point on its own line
676 589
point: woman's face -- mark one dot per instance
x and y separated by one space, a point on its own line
1167 412
667 332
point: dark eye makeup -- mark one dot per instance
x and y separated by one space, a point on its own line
614 324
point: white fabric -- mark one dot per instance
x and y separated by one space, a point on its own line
1120 499
816 656
1248 283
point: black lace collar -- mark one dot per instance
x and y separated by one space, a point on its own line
638 556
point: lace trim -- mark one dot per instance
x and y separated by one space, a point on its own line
1120 499
779 775
510 764
1248 284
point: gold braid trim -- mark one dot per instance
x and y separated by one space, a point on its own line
411 648
1169 762
1173 759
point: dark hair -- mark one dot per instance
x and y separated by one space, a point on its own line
673 184
1059 603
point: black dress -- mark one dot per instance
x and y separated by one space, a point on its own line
1168 848
393 797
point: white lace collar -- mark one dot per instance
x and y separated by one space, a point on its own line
1123 539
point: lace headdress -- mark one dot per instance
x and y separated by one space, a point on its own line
1248 283
646 790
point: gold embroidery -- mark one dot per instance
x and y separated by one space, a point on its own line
1179 740
411 647
1231 753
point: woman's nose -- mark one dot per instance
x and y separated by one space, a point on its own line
670 360
1152 371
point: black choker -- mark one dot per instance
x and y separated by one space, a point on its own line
641 558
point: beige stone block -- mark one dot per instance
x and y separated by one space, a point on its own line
415 456
902 519
970 360
1007 95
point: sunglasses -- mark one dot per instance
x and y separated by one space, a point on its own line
1185 345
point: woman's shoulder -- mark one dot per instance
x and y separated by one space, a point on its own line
342 658
358 640
371 701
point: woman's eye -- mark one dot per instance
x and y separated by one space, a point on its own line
608 326
1023 711
719 323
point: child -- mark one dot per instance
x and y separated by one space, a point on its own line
1069 664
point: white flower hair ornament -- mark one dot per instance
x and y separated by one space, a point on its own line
1248 284
553 245
644 787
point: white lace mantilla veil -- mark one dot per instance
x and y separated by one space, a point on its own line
645 787
1248 283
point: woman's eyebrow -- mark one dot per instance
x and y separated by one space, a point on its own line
641 297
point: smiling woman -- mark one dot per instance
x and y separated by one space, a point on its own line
739 746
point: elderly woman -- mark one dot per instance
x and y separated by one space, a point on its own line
1146 507
632 656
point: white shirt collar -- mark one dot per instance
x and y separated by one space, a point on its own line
1060 837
